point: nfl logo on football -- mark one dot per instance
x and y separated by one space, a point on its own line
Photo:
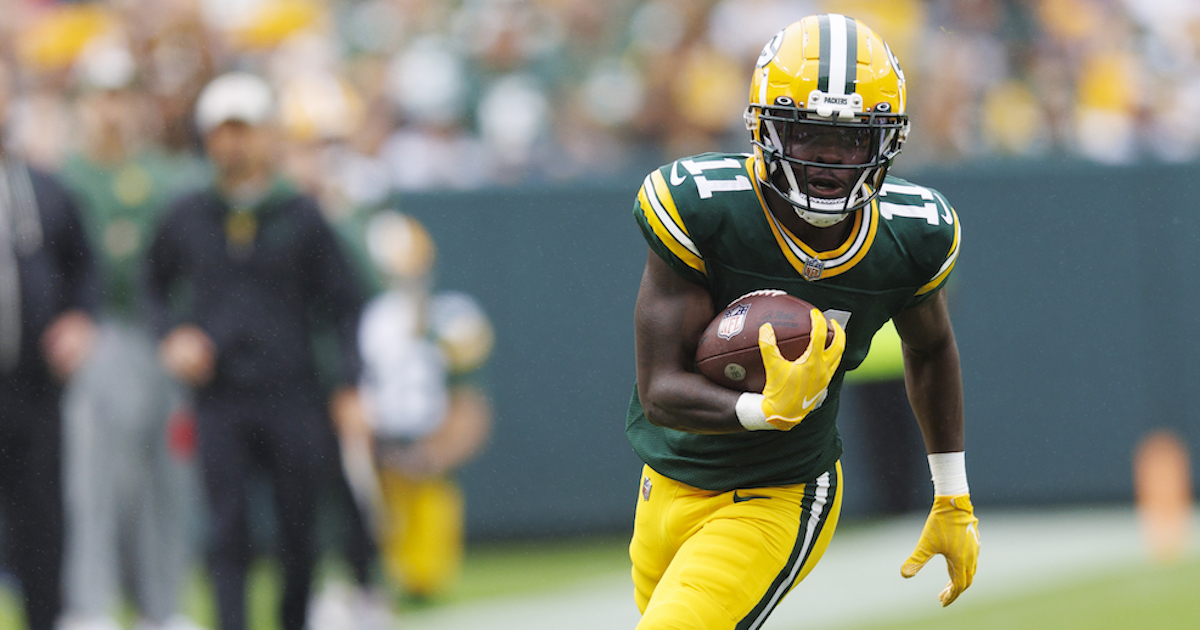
733 321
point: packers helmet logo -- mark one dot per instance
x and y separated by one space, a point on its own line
770 50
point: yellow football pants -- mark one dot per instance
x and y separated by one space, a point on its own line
423 542
724 560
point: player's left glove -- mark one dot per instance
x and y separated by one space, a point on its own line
953 531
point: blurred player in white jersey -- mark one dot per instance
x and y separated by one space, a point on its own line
428 413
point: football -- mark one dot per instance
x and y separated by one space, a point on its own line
728 349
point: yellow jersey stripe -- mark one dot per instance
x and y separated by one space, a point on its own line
872 228
790 255
855 236
667 225
840 260
663 193
951 258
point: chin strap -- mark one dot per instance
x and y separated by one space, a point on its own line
803 204
817 219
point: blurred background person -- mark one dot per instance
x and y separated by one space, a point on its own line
261 271
422 351
321 117
129 474
48 293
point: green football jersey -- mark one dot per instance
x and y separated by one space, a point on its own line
120 205
706 218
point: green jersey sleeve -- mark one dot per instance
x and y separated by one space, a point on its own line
930 229
664 228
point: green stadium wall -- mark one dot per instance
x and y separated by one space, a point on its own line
1075 303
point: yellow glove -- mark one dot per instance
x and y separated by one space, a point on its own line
795 388
953 531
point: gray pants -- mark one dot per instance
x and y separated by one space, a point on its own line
131 502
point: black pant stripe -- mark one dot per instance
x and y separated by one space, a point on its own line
786 577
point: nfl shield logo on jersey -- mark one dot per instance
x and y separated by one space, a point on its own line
733 321
646 488
814 268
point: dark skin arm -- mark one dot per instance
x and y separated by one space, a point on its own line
670 316
932 374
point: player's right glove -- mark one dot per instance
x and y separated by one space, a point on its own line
953 531
795 388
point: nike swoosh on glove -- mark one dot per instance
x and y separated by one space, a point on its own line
795 388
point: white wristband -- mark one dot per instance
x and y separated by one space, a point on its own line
949 472
750 412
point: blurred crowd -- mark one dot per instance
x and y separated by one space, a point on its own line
394 95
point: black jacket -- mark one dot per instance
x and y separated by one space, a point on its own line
57 272
262 302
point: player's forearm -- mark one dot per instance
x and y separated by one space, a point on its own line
465 430
689 402
934 382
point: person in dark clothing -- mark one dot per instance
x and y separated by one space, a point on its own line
240 277
48 292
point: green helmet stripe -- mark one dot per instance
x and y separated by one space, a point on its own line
838 64
851 64
823 59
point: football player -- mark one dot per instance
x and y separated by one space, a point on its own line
428 412
740 493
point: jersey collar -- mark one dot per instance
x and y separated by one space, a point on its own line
808 262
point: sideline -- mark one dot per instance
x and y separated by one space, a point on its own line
858 580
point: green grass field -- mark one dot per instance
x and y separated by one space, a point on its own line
1145 596
493 570
498 570
1162 598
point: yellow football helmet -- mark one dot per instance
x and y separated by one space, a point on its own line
826 115
400 248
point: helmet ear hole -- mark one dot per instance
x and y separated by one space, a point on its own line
784 101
